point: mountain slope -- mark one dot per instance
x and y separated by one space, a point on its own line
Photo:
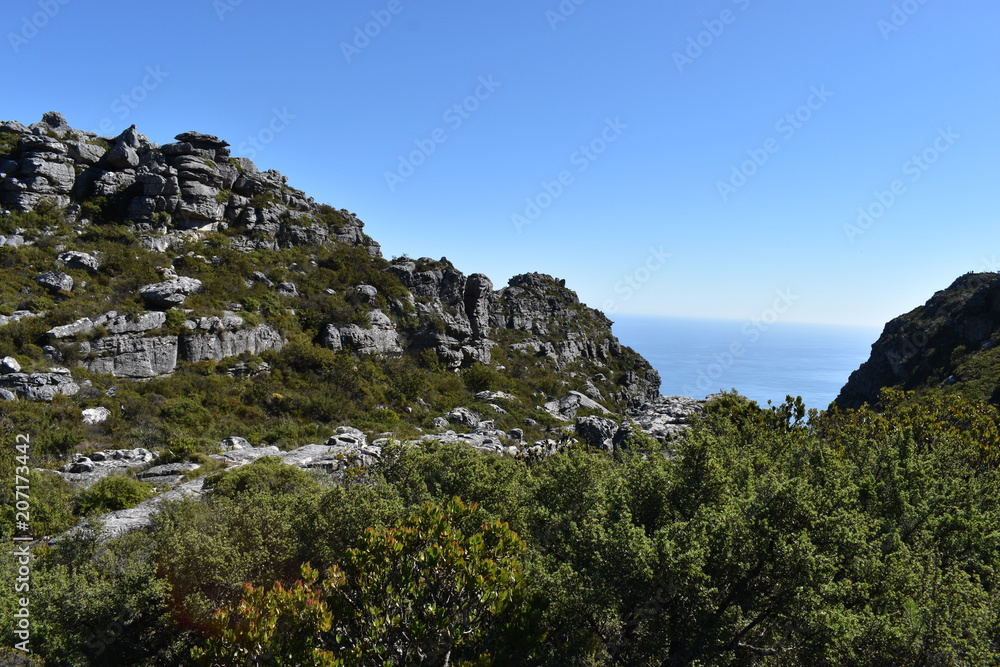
244 308
950 344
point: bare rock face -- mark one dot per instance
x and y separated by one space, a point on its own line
598 432
169 293
39 386
946 342
55 281
380 338
131 355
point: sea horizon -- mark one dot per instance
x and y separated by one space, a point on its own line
697 357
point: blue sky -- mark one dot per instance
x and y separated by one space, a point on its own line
688 159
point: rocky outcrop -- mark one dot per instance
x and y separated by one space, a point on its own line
951 341
38 386
379 338
127 351
566 407
169 293
191 184
666 417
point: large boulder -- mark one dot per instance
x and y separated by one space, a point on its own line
597 432
78 260
169 293
55 281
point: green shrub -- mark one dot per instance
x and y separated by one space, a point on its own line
112 493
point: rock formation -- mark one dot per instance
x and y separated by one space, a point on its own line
951 341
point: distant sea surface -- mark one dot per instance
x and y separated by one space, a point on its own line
700 357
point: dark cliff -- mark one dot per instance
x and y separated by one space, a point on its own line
950 344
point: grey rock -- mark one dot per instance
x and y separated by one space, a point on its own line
495 396
225 343
440 423
201 140
55 281
13 241
53 353
39 386
9 365
235 442
367 293
85 153
667 417
169 293
81 326
17 317
79 260
167 469
81 464
96 415
131 356
121 324
287 289
122 156
347 436
597 432
464 416
110 183
7 395
381 338
567 407
262 279
517 434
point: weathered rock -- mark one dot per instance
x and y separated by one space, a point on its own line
667 416
228 343
79 260
287 289
55 281
167 470
131 355
464 416
39 386
380 339
597 432
81 326
9 365
566 408
169 293
95 415
122 157
235 442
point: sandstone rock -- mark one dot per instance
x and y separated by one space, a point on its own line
121 324
567 407
79 260
597 432
287 289
228 343
96 415
7 395
367 293
347 436
464 416
441 423
381 338
667 416
85 153
235 442
9 365
55 281
122 156
17 317
169 293
80 326
39 386
131 356
167 469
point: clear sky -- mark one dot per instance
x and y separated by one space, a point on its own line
702 159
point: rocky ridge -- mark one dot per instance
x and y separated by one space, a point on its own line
950 343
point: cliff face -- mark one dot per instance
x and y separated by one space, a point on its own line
950 344
157 255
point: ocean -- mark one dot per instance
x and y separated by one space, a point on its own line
698 357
